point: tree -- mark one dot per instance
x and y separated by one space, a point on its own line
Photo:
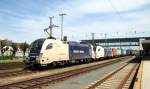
3 43
14 46
24 47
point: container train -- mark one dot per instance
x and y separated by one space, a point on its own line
44 52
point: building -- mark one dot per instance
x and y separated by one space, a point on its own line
5 42
12 44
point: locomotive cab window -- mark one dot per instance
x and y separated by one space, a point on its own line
49 46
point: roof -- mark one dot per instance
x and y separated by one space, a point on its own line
146 44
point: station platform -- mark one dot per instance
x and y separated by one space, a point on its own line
143 75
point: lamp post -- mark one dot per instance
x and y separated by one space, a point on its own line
62 17
105 39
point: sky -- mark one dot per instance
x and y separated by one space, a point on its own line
24 20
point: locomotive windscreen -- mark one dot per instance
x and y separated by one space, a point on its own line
36 45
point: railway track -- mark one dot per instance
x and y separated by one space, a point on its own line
15 73
51 79
25 72
11 65
121 78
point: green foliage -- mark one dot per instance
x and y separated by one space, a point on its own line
24 47
14 46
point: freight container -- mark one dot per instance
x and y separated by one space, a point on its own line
118 52
122 52
114 52
108 52
128 52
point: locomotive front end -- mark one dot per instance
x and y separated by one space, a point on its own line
35 52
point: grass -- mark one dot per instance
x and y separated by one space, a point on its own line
8 59
5 57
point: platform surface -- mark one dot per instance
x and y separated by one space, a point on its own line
145 82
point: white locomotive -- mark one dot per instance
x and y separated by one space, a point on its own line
52 51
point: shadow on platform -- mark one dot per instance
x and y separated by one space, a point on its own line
146 57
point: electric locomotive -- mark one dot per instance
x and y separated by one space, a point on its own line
52 51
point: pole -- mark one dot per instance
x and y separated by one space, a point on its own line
62 24
93 43
119 39
135 33
105 39
50 26
93 34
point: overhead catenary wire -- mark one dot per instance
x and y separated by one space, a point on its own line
119 14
